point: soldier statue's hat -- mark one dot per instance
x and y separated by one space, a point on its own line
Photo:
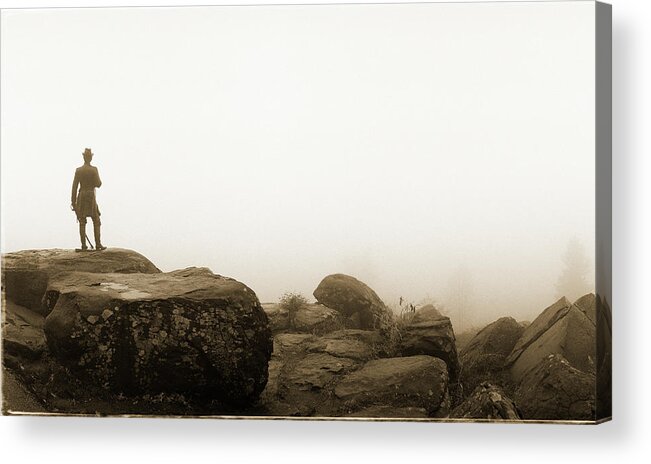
88 152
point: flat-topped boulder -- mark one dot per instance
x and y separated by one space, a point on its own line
360 345
188 331
359 305
290 342
26 274
483 358
342 347
562 328
311 318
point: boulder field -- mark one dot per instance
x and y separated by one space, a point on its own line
339 374
109 333
123 328
547 367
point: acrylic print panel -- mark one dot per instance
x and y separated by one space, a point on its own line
317 211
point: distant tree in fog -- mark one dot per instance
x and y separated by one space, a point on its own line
574 280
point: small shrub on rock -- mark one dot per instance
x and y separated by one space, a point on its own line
292 302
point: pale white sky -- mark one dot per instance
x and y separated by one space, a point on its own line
277 145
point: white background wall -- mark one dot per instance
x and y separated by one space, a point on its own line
623 439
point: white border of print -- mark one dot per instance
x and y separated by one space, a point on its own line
27 439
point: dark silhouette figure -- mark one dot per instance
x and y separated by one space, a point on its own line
83 202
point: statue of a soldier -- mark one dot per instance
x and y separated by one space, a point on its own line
83 201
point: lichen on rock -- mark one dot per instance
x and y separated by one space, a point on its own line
197 334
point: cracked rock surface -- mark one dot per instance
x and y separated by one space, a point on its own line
555 390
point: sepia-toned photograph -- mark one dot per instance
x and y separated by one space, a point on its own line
354 212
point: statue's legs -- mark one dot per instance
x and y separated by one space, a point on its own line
96 229
82 233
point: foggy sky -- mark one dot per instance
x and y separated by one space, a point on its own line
277 145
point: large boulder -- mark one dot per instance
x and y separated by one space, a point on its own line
484 356
487 402
413 381
562 328
356 301
26 274
311 318
187 332
554 390
429 333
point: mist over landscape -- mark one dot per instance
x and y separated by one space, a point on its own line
319 145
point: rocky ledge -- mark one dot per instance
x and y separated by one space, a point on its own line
109 333
118 325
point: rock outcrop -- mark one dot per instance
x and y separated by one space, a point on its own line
554 390
359 345
359 305
337 375
427 332
108 333
312 318
189 332
563 328
304 369
412 381
483 358
26 274
487 402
